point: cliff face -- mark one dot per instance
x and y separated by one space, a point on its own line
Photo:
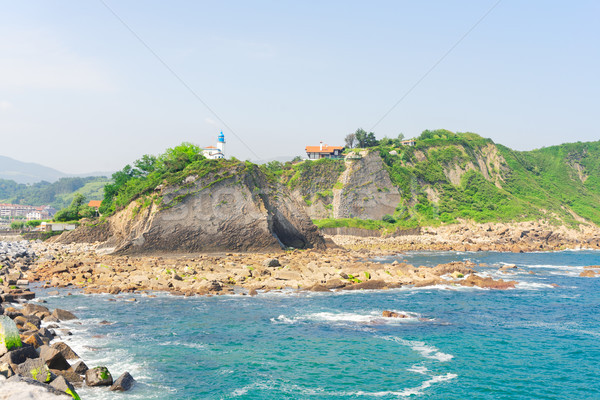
456 178
239 209
365 189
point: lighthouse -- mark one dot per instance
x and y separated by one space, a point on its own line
221 143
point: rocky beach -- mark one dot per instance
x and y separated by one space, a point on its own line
34 361
349 264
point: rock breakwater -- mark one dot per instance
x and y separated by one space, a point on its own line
34 362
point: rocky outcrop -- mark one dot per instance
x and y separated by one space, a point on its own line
234 209
366 191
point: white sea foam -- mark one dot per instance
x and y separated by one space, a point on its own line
416 391
422 348
533 285
419 369
560 267
372 318
296 390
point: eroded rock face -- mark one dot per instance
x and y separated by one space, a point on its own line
238 209
367 191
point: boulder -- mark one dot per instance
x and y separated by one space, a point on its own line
6 370
65 350
53 358
318 288
123 383
487 283
79 368
19 387
286 275
35 340
19 355
98 376
9 335
63 315
65 386
373 284
69 375
271 262
36 368
31 308
392 314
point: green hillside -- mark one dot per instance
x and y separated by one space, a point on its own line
58 194
448 177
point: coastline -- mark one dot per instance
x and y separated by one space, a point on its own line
349 263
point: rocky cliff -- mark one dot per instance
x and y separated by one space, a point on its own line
451 178
234 208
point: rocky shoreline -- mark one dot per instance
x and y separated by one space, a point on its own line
348 264
34 362
519 237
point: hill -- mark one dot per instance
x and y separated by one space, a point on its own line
58 194
23 172
447 178
182 202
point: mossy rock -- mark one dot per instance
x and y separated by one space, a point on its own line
9 335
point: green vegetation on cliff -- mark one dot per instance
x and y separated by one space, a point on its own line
447 177
147 173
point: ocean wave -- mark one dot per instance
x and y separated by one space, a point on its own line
533 285
374 318
422 348
560 267
295 389
416 391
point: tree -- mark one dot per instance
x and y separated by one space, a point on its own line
16 225
179 157
365 139
350 140
71 213
33 223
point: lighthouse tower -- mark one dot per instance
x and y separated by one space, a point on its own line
221 143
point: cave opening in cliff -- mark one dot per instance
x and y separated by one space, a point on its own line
287 234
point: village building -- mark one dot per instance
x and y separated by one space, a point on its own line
214 153
95 204
25 211
324 151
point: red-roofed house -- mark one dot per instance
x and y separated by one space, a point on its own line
95 203
324 151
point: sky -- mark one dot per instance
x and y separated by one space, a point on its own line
93 85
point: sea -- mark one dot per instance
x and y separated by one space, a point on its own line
540 340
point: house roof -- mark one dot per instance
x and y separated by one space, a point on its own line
95 203
326 149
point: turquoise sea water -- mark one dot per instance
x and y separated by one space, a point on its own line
534 342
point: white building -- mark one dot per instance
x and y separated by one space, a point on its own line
33 215
214 153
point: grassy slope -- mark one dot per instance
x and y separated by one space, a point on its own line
539 184
58 194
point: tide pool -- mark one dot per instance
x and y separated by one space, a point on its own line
537 341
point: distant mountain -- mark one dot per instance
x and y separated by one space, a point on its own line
28 173
23 172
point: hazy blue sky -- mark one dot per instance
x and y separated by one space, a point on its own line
79 92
